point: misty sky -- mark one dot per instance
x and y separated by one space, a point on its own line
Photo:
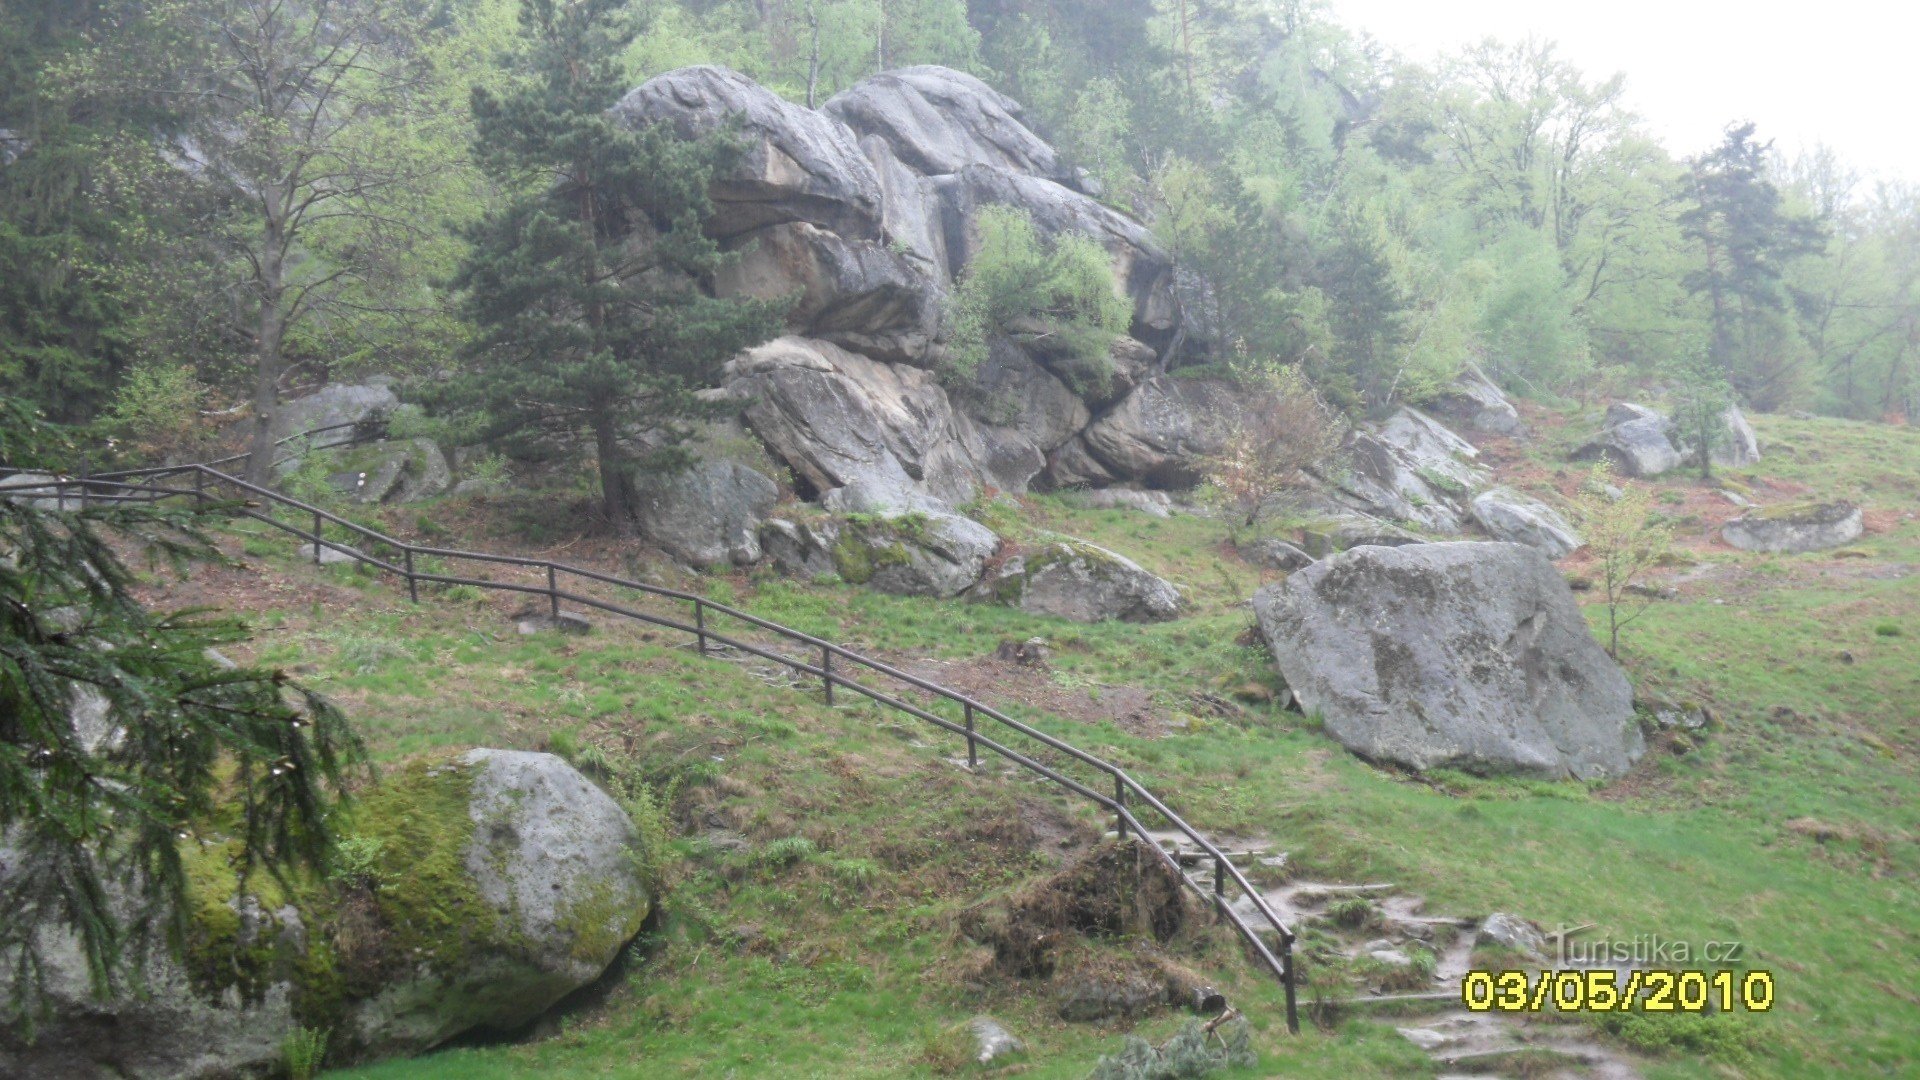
1841 72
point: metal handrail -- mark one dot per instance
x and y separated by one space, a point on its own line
124 482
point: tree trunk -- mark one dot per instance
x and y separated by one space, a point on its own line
613 475
269 358
813 56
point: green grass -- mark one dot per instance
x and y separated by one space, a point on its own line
828 948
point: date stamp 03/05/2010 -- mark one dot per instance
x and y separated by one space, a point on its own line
1606 990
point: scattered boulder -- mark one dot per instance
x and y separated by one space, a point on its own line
992 1041
389 471
913 553
938 121
1512 932
39 492
1473 402
1093 992
708 514
1022 412
1155 503
1032 652
797 164
536 620
1636 440
1796 527
1472 655
553 865
1343 532
1072 579
361 404
1519 519
1738 446
836 417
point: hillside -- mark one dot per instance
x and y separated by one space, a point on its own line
1788 825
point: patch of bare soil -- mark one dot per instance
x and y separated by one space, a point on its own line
990 680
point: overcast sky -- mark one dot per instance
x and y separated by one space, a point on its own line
1842 72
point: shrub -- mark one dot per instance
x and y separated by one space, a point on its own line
1260 460
1187 1054
1887 629
1067 282
157 411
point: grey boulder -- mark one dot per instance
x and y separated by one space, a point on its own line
1072 579
1022 413
1277 555
1736 446
801 549
1635 440
796 164
1508 515
915 553
555 867
1471 655
708 514
390 471
340 403
1801 527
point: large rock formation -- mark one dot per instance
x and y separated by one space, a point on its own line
483 889
1474 403
1465 654
1164 431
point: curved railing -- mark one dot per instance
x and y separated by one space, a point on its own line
403 558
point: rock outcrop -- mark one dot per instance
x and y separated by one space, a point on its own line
1472 655
915 553
1798 527
838 418
340 403
938 121
1163 432
797 164
486 888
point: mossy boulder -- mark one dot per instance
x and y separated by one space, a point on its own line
1072 579
388 471
916 553
1796 527
469 893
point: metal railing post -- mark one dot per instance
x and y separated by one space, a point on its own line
826 672
1286 977
1120 808
316 538
413 583
553 593
199 488
973 748
700 624
1219 887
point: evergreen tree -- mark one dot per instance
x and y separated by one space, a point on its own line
1746 236
120 735
584 286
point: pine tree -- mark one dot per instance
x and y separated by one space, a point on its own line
1746 237
584 288
120 735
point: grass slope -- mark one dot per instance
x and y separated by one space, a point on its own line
1790 827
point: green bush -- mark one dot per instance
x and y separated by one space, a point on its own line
1185 1055
1887 629
303 1051
1067 282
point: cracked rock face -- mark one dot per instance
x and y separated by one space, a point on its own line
1471 655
